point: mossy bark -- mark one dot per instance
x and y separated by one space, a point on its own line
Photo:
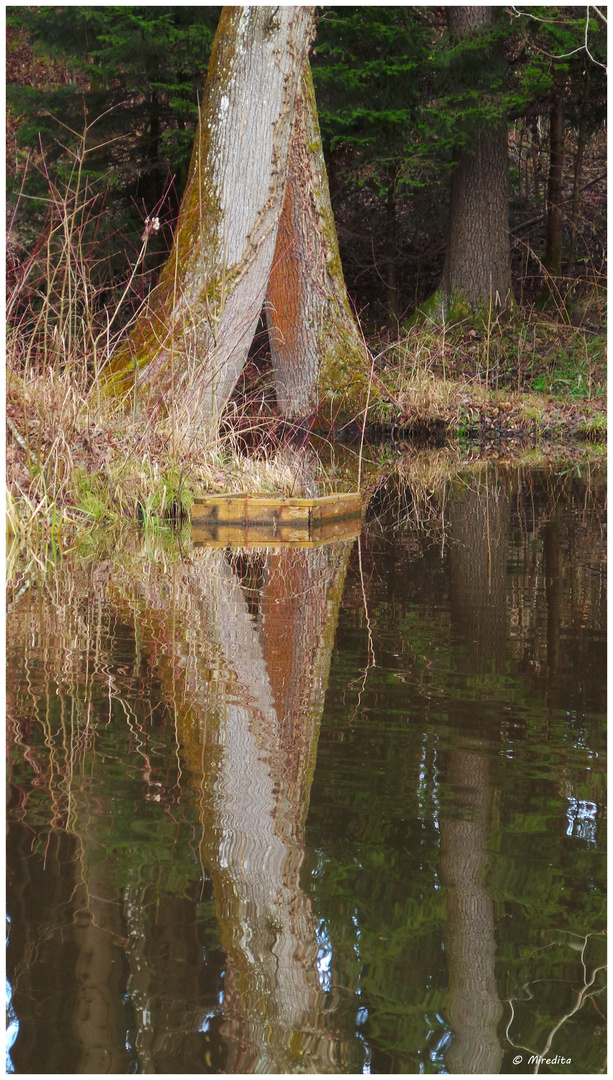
317 352
190 346
258 125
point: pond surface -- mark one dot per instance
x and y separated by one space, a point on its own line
329 810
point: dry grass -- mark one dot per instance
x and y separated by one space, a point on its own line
76 455
74 460
439 370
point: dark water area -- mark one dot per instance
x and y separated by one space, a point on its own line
337 809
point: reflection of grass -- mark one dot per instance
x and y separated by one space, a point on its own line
414 490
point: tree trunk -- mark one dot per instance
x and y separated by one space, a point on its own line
553 242
581 141
258 129
478 264
391 228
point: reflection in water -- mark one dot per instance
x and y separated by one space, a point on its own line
242 671
474 1007
260 744
172 908
479 540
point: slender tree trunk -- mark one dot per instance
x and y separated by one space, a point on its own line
581 141
153 181
478 263
391 227
553 241
258 129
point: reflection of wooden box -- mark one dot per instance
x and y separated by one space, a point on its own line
254 519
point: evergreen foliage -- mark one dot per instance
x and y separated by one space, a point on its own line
132 74
398 98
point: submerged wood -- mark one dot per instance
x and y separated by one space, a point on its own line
258 123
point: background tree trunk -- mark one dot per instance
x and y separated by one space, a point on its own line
391 229
478 264
581 141
553 240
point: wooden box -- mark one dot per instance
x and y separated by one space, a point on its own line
258 519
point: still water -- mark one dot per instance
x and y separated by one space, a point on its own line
336 809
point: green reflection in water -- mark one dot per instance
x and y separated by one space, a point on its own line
466 868
207 873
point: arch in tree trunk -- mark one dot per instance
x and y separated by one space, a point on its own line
255 228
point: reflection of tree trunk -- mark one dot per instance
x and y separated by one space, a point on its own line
97 1016
554 597
261 743
470 946
478 559
299 609
39 892
244 692
162 938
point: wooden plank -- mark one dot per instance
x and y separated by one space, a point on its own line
332 507
251 510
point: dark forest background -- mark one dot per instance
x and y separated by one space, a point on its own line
112 93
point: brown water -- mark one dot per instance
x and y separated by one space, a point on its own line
337 809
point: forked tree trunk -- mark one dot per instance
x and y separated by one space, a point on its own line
478 263
258 129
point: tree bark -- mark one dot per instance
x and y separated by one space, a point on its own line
576 201
553 241
316 350
391 228
478 265
257 161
